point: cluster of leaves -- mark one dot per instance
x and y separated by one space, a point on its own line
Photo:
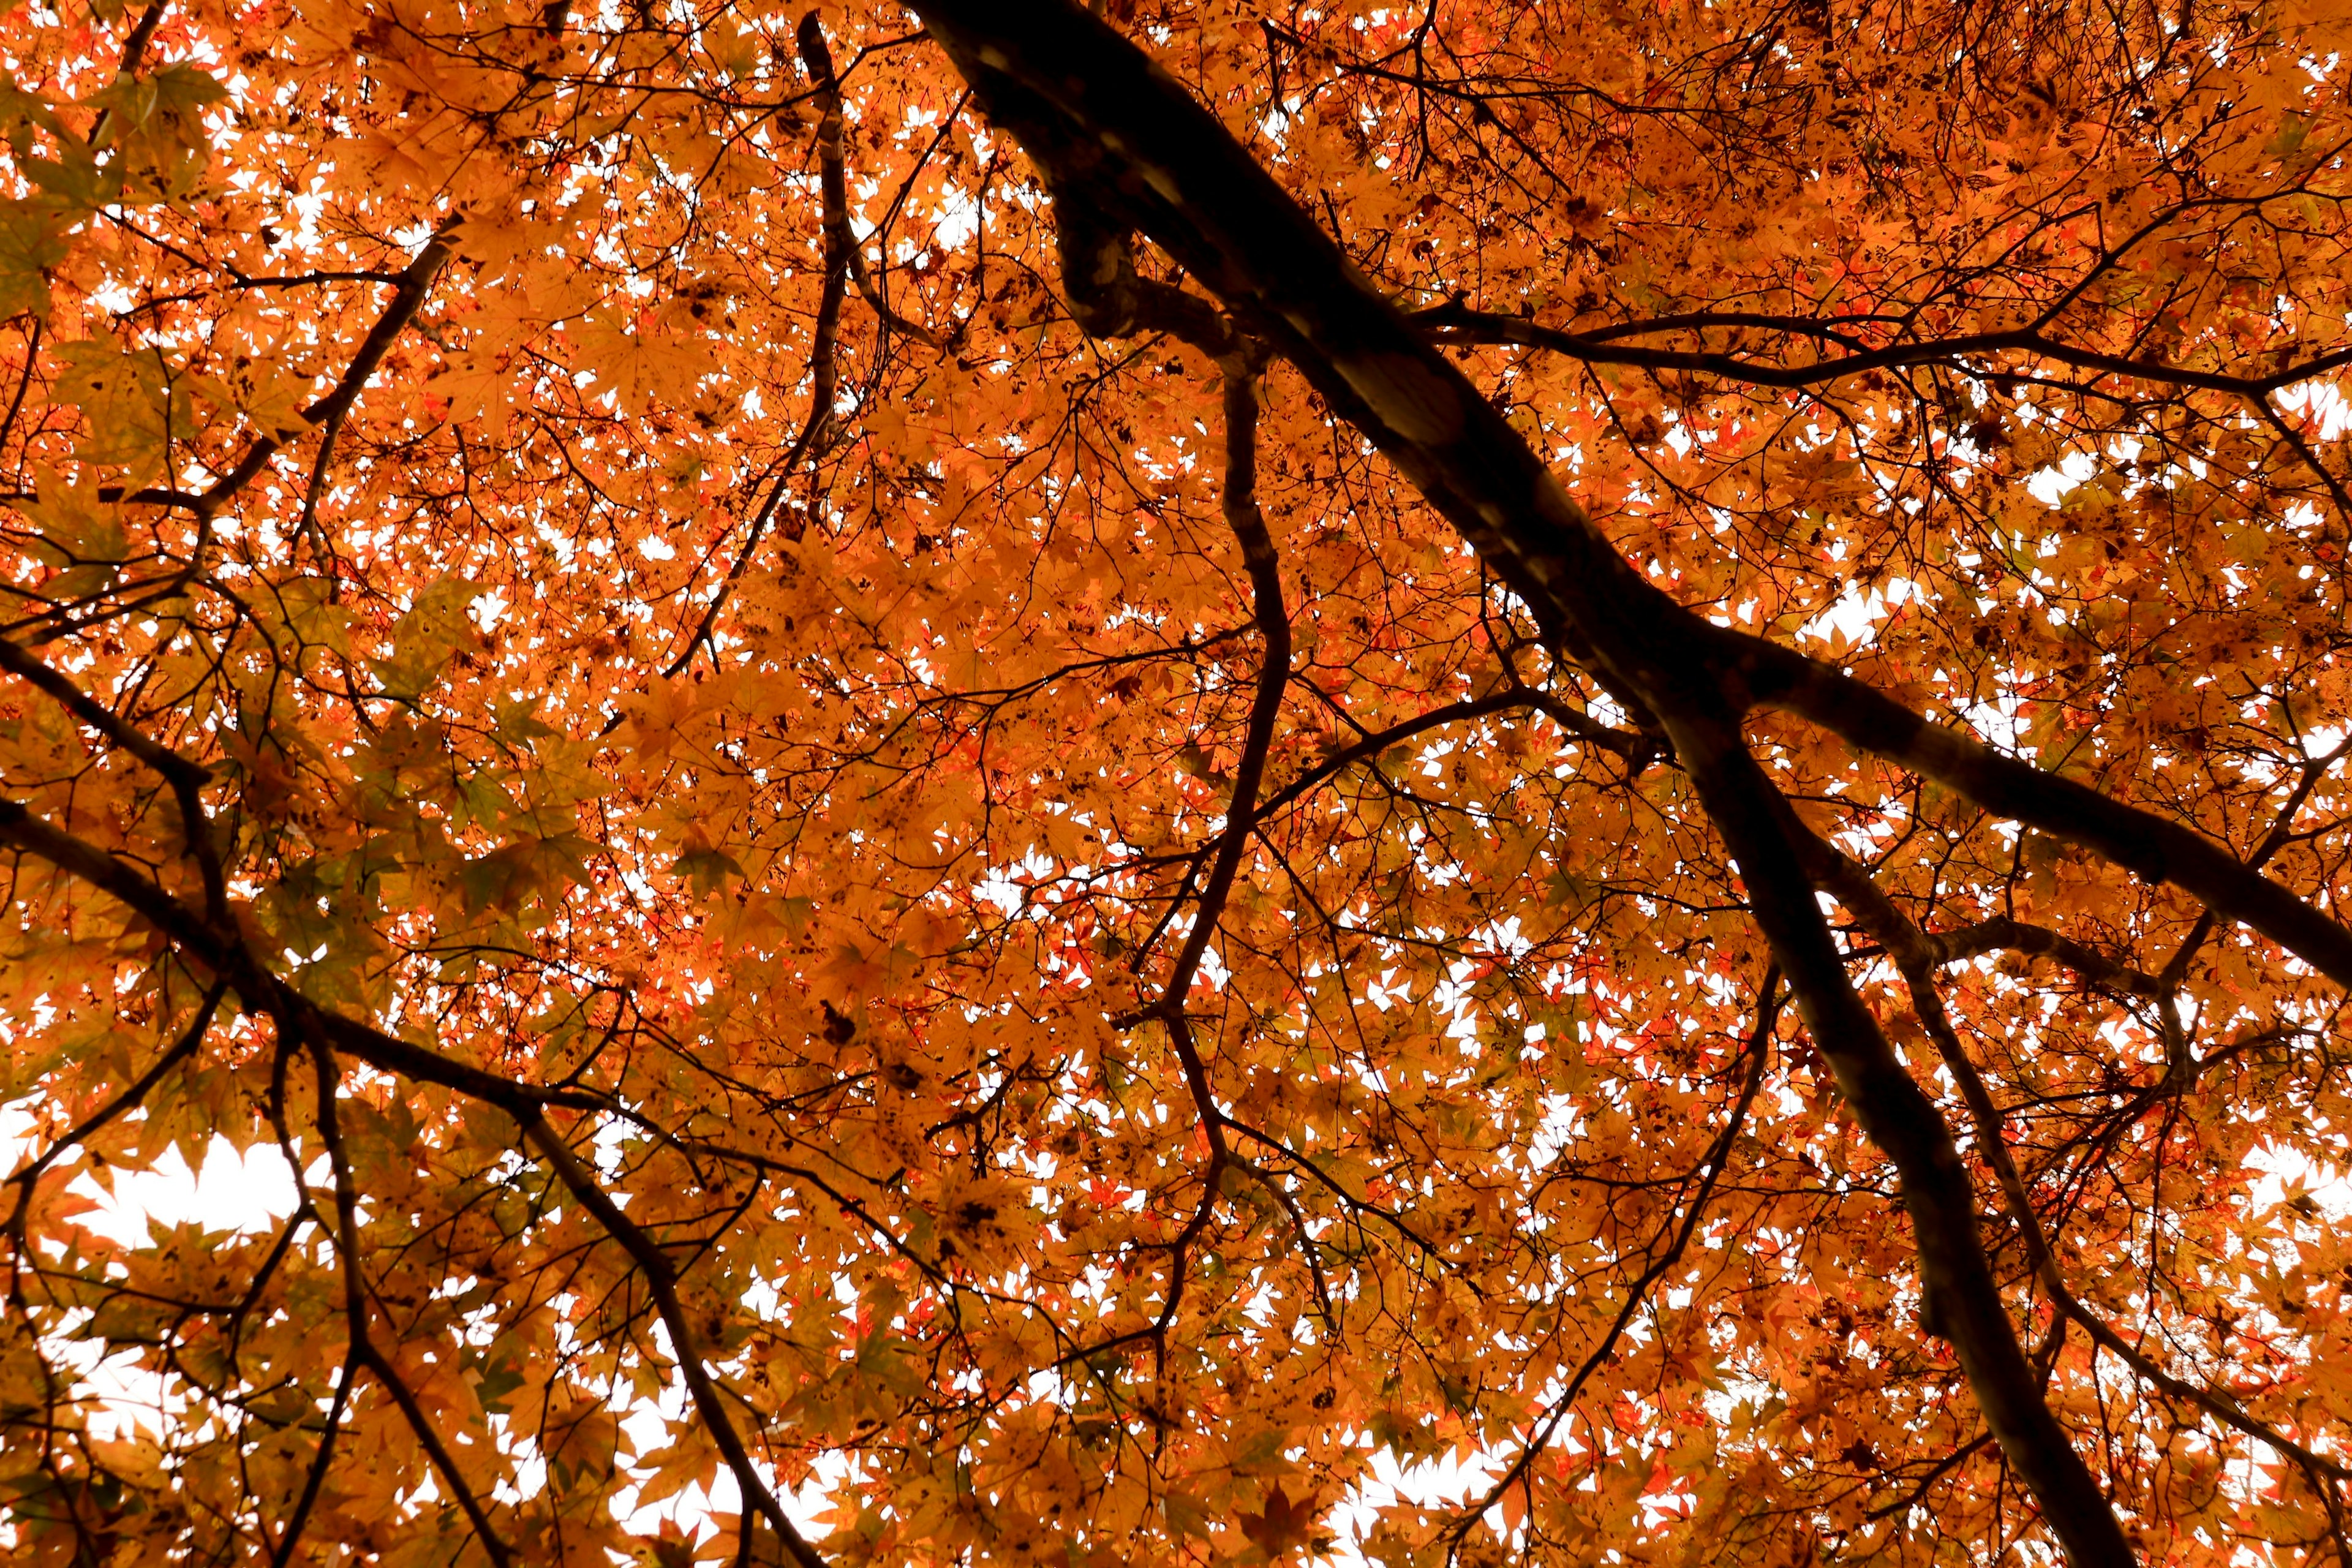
857 839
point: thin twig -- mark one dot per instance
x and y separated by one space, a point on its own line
1711 1166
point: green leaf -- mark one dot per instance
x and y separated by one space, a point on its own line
32 240
134 412
423 639
74 177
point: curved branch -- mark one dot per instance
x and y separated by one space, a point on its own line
186 778
1273 620
840 258
1634 748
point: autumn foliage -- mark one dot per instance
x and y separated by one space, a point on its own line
1207 782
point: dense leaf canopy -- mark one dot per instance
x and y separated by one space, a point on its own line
1209 782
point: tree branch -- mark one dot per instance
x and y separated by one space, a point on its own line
1770 999
1273 621
186 1046
1962 1302
261 990
1103 121
414 284
186 779
661 1283
1634 748
840 257
2004 934
1124 145
362 1349
1456 323
1916 955
817 59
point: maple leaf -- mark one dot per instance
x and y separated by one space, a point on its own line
1282 1525
705 866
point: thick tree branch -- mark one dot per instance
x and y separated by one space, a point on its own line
134 49
2158 849
1118 139
1962 1300
1108 299
1112 131
817 59
2002 934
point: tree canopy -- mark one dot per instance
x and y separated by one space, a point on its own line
975 782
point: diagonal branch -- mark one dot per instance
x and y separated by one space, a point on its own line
1916 955
261 990
2158 849
410 289
661 1282
134 49
1123 144
190 1039
1274 674
1120 136
1962 1302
